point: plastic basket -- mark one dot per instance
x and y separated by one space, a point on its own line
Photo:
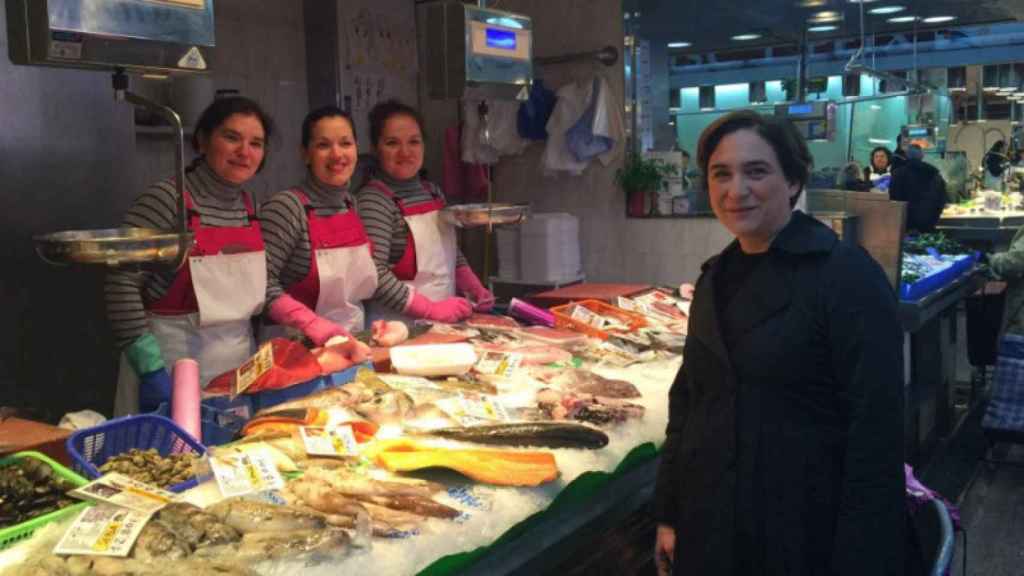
19 532
563 318
91 448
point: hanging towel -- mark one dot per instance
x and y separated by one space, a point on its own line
569 107
534 113
461 181
581 139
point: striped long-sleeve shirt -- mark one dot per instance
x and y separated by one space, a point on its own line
286 231
219 203
389 233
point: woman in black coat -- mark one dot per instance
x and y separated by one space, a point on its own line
783 453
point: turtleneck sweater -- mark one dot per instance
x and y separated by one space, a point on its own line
389 232
218 202
286 230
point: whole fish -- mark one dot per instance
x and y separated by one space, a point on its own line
390 407
547 434
251 516
586 382
290 544
331 397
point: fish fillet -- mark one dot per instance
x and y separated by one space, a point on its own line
502 468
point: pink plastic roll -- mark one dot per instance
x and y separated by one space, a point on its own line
185 397
530 313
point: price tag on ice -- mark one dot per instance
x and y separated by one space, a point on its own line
245 473
120 490
254 367
502 364
588 317
627 304
103 530
336 441
470 411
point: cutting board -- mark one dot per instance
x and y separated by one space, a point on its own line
17 435
605 292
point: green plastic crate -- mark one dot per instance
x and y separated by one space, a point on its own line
19 532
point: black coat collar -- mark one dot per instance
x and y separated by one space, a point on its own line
767 291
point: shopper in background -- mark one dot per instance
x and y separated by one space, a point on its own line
922 187
783 452
879 165
319 263
419 265
995 162
849 178
204 309
899 155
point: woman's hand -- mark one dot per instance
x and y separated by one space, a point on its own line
665 549
686 290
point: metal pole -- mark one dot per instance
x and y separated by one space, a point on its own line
801 70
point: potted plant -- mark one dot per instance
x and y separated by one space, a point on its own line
641 178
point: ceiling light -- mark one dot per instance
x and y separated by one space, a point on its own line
861 1
938 19
811 3
679 44
825 28
745 37
887 9
825 16
902 19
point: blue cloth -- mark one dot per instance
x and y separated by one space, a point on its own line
581 140
533 115
154 388
1005 410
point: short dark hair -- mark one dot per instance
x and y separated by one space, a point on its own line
384 111
789 146
319 114
223 108
876 149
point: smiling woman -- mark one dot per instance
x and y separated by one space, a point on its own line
783 452
204 309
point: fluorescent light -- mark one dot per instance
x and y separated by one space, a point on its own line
887 9
679 44
879 141
862 2
902 19
825 16
938 19
506 22
876 107
746 37
825 28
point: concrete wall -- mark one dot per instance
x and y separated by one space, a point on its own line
70 158
613 247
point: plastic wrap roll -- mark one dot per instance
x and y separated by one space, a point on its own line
530 313
185 397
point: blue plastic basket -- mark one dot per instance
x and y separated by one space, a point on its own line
929 284
91 448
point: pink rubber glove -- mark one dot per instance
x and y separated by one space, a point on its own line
288 311
449 310
467 283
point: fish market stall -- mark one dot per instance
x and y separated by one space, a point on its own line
425 470
991 226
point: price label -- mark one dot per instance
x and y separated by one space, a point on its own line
401 382
245 473
627 304
471 411
501 364
588 317
120 490
254 367
323 441
103 530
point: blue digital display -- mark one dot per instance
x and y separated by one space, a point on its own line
801 109
501 39
912 132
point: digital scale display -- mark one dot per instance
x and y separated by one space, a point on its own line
500 39
801 109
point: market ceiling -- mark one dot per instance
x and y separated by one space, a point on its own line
704 26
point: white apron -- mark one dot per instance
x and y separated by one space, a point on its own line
230 289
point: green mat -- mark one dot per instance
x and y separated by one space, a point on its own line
579 491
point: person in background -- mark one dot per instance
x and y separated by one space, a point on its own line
849 178
899 156
879 166
684 169
995 164
922 187
419 265
204 309
783 452
319 262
